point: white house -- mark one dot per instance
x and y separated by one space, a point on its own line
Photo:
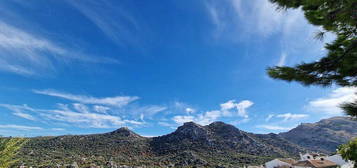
340 161
276 163
312 156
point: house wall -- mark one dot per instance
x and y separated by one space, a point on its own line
306 157
275 163
337 159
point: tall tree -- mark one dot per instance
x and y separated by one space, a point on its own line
339 66
8 150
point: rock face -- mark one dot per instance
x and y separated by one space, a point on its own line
324 136
220 141
214 145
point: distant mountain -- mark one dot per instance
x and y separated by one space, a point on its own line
217 144
324 136
121 145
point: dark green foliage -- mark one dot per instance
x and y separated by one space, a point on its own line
349 151
350 109
334 16
339 66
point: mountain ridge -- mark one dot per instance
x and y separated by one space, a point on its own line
216 144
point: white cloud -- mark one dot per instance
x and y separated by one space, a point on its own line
19 110
183 119
20 127
240 20
282 59
88 111
274 127
117 101
290 116
101 109
171 125
89 119
80 116
151 109
270 116
147 111
208 117
228 105
243 15
190 110
228 109
24 115
240 108
142 116
330 104
179 107
80 108
28 54
112 19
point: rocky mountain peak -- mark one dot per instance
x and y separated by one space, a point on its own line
218 123
191 124
224 129
192 130
125 132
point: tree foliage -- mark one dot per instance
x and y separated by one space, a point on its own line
339 66
349 151
8 150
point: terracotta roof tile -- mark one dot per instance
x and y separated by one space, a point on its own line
315 163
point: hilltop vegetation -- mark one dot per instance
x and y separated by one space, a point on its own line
217 144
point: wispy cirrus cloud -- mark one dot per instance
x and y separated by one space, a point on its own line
20 127
89 111
239 20
117 101
233 16
112 19
286 117
30 54
275 127
282 60
19 110
269 117
290 116
75 114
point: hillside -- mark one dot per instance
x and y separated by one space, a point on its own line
217 144
324 136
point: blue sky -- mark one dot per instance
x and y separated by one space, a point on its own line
75 67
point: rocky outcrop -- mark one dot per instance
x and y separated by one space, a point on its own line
324 136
